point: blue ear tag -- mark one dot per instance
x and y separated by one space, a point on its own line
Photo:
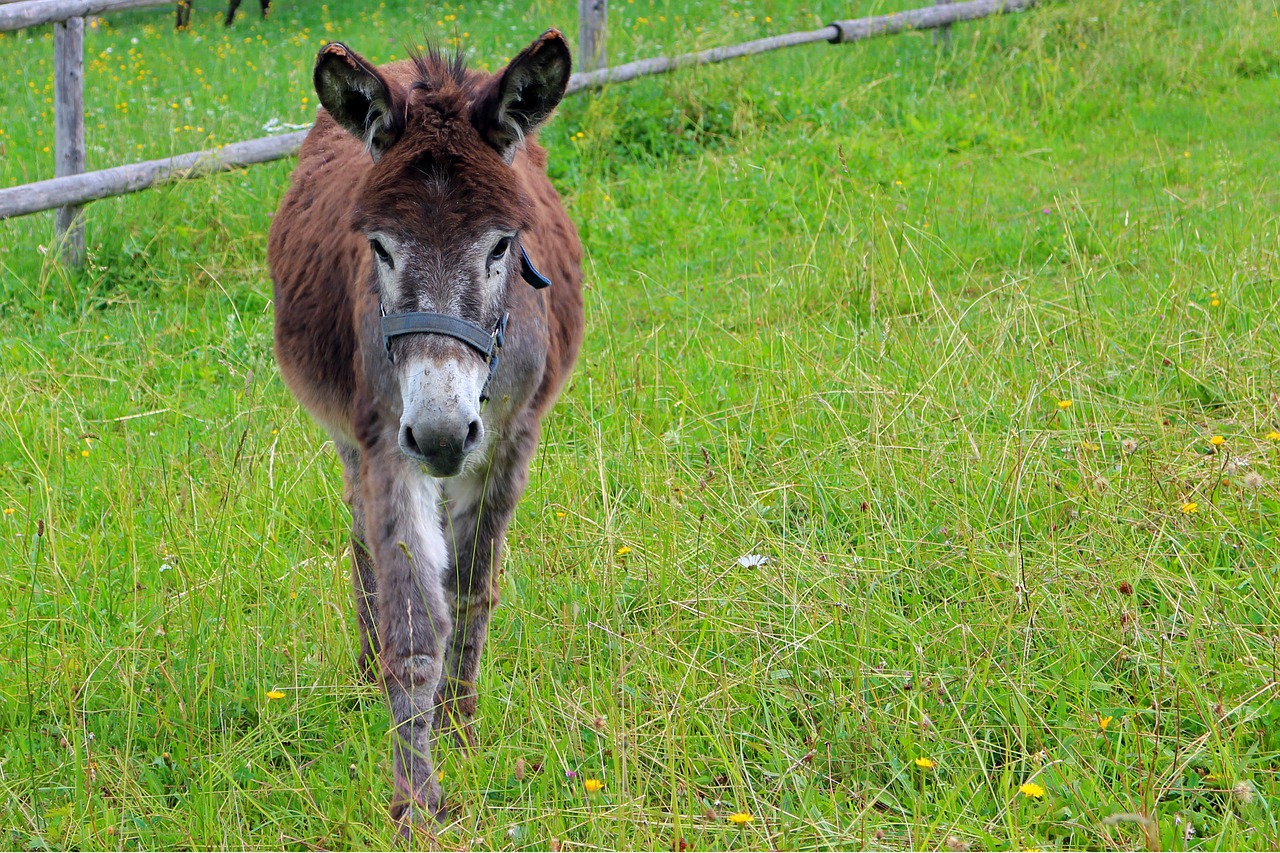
530 273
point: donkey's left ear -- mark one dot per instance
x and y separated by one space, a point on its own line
520 98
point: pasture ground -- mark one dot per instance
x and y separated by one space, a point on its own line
976 346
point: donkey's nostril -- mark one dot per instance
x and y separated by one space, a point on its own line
408 442
475 432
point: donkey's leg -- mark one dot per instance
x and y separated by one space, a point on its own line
363 581
402 515
476 528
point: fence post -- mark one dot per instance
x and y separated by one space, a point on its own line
592 15
942 35
68 132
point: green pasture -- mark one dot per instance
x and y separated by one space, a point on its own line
917 486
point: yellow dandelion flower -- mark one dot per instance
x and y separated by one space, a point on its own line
84 453
9 510
924 763
275 694
1064 404
624 551
1215 303
1103 722
1031 790
740 818
1090 446
1190 507
592 785
1273 436
560 515
1217 441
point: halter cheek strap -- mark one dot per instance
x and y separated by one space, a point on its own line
486 343
530 273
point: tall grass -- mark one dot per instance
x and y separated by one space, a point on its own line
916 487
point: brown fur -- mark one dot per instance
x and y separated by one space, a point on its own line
425 550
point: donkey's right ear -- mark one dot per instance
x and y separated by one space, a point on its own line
360 99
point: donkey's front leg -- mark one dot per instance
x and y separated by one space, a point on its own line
364 583
402 517
478 513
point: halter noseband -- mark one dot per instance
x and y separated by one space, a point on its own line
487 343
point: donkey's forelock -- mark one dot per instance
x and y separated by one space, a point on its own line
440 179
436 67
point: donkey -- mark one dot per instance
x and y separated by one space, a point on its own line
185 6
403 262
235 4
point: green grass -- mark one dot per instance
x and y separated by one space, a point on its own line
838 300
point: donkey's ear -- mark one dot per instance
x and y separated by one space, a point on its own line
360 99
516 102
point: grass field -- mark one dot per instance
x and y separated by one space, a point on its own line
978 347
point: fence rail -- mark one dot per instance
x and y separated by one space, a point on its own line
73 187
91 186
34 13
839 32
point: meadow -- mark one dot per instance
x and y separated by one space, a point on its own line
917 486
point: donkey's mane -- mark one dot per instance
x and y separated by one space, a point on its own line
434 66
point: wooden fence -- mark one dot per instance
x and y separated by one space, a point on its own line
73 187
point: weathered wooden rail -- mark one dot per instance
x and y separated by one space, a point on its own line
73 187
840 32
67 17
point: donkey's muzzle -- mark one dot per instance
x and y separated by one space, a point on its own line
441 448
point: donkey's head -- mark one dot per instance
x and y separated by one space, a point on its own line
443 210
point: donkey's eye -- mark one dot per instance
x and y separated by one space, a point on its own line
500 251
382 253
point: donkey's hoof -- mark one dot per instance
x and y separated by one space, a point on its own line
464 736
414 817
457 722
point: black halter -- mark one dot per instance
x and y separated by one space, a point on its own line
487 343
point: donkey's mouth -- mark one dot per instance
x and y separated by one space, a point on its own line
440 473
440 465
